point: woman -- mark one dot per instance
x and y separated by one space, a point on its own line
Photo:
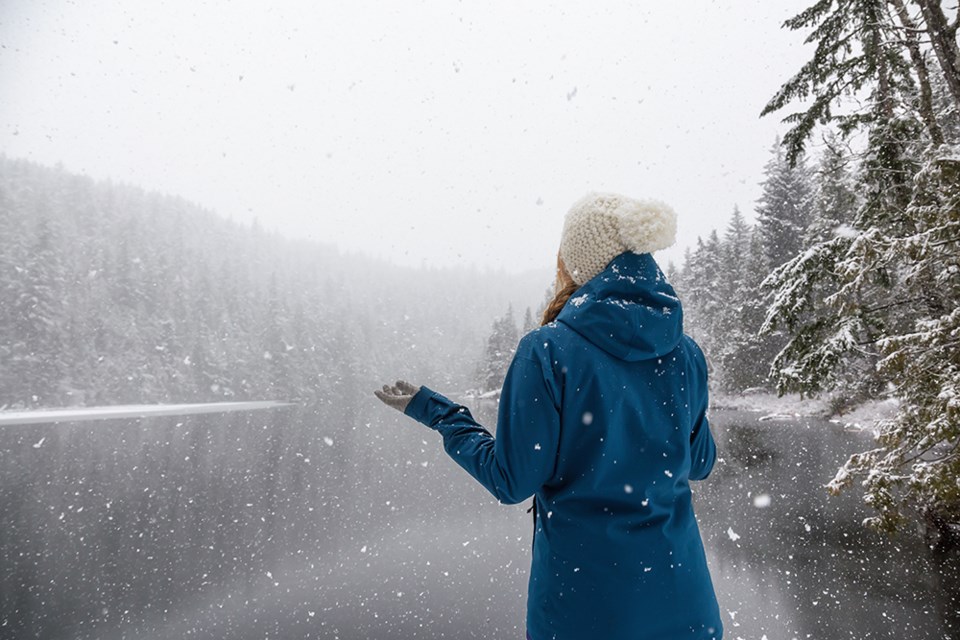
602 419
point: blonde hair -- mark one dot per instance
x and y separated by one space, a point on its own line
564 288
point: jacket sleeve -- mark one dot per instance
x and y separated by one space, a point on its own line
703 450
523 455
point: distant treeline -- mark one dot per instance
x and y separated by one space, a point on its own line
112 294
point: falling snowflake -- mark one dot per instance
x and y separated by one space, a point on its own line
761 500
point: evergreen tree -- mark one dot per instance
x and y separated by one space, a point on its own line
529 324
672 272
856 50
500 347
696 290
835 201
946 110
11 236
757 355
942 36
712 288
916 466
783 211
873 305
704 297
742 363
36 321
276 346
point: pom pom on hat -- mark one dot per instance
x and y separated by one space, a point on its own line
601 226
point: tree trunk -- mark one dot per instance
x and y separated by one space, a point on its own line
943 38
885 99
923 76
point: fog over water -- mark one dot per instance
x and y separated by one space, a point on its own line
283 524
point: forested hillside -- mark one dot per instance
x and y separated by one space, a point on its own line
113 294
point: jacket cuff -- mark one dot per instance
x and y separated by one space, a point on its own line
417 408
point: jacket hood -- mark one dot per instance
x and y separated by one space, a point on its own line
629 309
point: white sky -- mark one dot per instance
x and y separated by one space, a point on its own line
431 133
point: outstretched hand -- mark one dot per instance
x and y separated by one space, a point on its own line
397 396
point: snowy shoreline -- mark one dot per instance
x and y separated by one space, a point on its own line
864 416
772 407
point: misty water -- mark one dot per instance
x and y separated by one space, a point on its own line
291 524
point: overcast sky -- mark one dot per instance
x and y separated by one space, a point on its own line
431 133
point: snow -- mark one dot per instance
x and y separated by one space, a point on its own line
762 500
82 414
770 404
791 406
845 231
867 415
781 417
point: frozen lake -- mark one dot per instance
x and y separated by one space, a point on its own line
276 526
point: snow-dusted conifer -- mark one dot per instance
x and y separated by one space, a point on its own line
876 301
36 320
783 210
500 347
858 46
918 461
835 201
739 355
701 297
529 324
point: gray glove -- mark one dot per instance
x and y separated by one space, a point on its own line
398 396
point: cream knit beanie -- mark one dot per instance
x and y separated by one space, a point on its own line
601 226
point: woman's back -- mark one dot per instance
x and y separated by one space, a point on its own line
602 419
617 552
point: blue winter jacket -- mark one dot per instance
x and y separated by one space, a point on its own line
602 418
